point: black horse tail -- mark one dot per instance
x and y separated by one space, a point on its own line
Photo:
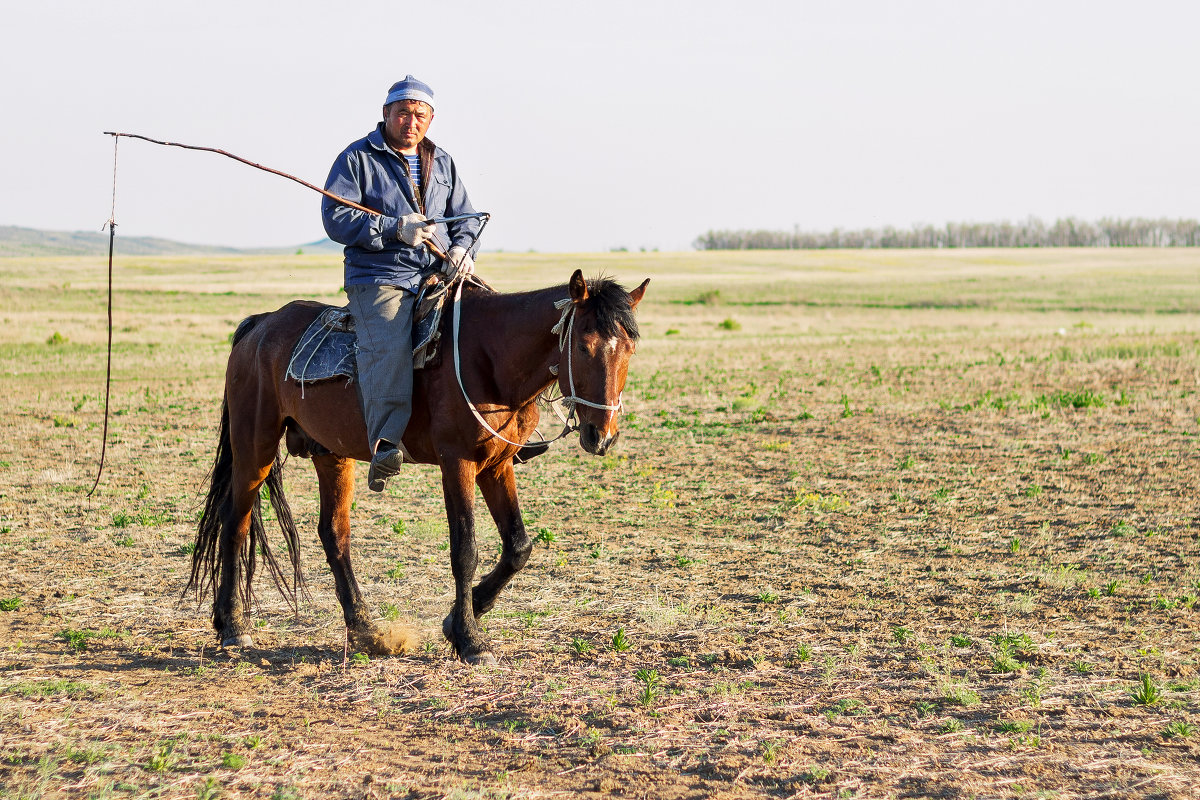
218 512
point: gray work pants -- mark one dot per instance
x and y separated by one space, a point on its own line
383 319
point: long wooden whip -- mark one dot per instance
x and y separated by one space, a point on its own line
433 248
112 232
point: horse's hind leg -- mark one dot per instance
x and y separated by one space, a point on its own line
336 477
231 612
499 488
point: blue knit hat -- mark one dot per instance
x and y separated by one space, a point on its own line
410 89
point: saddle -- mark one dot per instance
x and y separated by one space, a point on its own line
326 349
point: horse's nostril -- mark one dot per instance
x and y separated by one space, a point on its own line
589 436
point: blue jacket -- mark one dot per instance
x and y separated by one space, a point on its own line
369 173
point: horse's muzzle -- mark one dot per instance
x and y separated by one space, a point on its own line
593 441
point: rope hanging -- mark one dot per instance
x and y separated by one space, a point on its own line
112 235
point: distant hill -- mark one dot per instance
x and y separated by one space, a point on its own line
15 241
325 245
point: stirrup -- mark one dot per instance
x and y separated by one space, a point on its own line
530 450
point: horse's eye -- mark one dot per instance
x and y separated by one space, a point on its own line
583 349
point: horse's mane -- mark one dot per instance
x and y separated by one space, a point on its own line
609 301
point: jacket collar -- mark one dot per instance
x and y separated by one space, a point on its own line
376 140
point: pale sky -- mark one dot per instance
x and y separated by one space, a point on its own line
585 127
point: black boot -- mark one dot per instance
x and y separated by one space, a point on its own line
530 450
386 463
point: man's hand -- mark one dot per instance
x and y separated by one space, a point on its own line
458 263
413 230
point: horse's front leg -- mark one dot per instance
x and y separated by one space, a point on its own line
499 488
461 628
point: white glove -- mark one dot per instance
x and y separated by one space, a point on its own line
458 263
413 230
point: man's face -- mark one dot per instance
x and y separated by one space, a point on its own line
405 123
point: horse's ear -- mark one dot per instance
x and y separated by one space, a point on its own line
578 287
636 295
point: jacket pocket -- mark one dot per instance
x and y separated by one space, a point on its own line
439 195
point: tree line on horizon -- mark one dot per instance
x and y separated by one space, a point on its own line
1033 232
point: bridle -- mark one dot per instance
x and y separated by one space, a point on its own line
565 329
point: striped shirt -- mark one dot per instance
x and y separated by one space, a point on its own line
414 169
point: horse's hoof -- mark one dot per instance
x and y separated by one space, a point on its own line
481 659
241 640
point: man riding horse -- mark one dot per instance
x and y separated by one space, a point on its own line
471 416
398 171
579 336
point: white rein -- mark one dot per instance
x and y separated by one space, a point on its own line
564 328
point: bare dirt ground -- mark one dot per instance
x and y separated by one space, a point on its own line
879 525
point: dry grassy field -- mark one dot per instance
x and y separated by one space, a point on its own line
880 524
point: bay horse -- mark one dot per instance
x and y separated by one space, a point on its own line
510 350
